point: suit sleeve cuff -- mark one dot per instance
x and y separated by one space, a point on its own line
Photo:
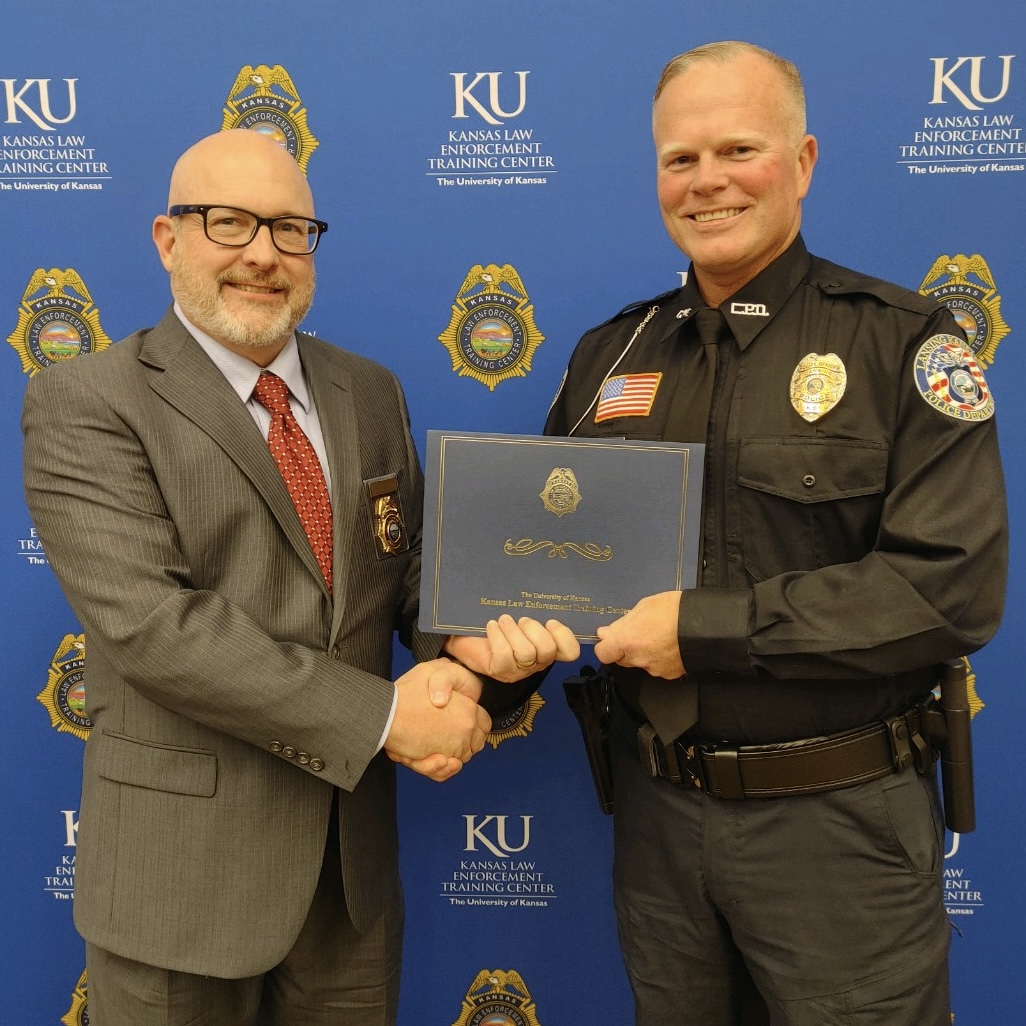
425 646
713 630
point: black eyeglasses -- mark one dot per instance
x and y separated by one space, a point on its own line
229 226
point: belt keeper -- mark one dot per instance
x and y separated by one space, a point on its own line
727 783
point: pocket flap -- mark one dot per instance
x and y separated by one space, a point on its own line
813 469
129 760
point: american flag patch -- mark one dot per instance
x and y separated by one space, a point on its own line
629 395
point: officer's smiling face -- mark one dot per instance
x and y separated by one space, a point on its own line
733 168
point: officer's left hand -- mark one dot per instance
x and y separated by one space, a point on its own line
514 649
645 637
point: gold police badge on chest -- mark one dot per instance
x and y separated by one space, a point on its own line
387 523
817 385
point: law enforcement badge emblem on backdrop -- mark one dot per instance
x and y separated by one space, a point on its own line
254 103
498 998
492 335
966 287
64 694
59 325
78 1013
518 722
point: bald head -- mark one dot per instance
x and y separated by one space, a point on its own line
219 161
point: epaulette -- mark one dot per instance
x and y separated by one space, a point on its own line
634 307
834 280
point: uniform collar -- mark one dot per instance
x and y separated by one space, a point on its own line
753 306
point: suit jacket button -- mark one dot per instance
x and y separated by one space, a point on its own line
276 746
289 752
302 758
317 765
336 653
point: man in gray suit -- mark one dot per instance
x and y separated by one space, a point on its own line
237 857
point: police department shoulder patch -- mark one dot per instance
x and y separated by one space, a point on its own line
950 380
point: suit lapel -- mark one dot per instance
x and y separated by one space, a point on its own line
196 388
331 388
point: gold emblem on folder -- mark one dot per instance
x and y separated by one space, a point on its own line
561 494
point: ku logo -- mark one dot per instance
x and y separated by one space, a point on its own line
493 113
953 850
749 309
37 90
944 79
70 828
479 829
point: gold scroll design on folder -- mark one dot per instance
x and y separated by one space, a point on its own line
561 495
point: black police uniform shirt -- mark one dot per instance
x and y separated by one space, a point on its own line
843 556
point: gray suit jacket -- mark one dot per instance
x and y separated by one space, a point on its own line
228 693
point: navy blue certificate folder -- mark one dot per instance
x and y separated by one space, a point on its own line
571 528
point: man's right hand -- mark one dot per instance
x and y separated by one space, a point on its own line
422 727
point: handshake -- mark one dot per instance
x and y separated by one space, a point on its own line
438 725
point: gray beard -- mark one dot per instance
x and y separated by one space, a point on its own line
202 304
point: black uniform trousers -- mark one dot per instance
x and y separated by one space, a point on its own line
708 901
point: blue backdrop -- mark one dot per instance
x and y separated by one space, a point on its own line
439 137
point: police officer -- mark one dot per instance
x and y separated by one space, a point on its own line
854 536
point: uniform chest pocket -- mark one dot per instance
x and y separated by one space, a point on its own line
808 502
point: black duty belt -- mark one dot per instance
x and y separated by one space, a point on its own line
808 766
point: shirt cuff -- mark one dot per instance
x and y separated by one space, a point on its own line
388 722
713 630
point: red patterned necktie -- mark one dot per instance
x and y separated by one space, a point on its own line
300 467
